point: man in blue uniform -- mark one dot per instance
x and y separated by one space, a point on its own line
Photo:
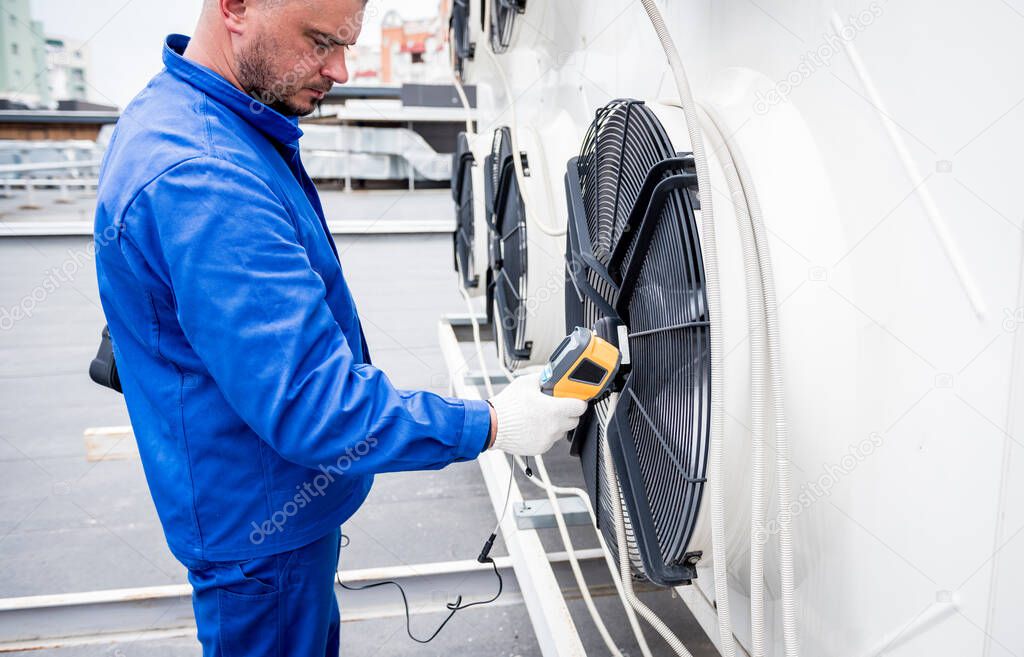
259 418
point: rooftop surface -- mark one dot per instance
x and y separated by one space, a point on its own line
71 211
70 525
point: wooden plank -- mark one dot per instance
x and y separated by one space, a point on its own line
110 444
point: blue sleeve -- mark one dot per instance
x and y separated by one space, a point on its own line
254 310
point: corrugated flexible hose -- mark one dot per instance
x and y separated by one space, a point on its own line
726 641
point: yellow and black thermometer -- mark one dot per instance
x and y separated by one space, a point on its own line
582 367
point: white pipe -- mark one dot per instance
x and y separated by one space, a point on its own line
559 517
477 340
710 250
613 567
758 385
611 480
738 173
574 564
470 128
782 459
458 78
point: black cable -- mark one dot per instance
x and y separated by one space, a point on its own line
452 607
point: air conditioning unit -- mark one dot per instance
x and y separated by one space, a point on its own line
470 238
525 277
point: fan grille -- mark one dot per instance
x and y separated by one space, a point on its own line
508 252
503 17
465 218
634 257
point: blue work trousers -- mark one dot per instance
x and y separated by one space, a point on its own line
282 605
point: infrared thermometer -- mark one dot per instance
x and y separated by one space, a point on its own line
581 367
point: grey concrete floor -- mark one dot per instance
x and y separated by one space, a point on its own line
68 525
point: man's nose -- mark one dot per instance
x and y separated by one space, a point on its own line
334 67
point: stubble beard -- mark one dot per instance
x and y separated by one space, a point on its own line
257 78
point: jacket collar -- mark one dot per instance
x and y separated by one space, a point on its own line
279 128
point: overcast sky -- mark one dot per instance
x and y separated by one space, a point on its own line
125 36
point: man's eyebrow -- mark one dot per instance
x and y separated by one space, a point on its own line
330 38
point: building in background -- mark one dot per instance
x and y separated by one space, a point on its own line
409 51
38 71
363 62
23 78
414 50
67 68
44 84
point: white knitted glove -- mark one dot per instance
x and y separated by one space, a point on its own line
530 422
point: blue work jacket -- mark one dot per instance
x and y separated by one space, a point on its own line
259 418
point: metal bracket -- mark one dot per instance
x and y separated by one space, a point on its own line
538 514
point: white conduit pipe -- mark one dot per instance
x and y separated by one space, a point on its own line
559 517
759 381
612 481
613 568
577 573
739 174
782 460
758 384
726 642
470 130
458 78
560 520
478 343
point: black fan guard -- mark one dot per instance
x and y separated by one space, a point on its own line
641 267
465 217
458 31
503 18
508 251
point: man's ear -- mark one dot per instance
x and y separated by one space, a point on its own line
233 12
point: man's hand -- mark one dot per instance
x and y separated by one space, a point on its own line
526 422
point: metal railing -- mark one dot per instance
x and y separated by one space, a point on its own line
26 176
